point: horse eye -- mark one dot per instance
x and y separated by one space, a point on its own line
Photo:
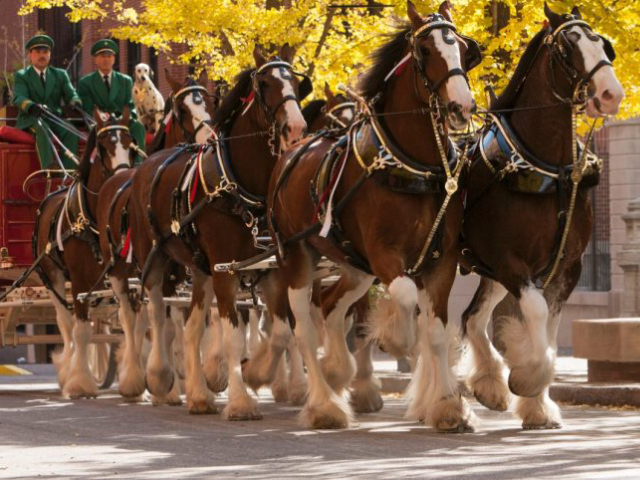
573 37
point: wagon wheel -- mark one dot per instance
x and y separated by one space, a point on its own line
102 358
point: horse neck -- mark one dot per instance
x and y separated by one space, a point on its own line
175 135
545 132
93 184
250 157
412 132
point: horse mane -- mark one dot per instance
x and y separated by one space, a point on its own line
85 162
384 59
508 96
234 99
311 111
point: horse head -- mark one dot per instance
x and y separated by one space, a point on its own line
339 110
279 89
192 106
443 57
112 141
587 59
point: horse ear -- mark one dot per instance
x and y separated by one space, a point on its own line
98 117
327 91
126 114
555 20
414 16
202 80
175 86
258 56
287 53
445 10
576 13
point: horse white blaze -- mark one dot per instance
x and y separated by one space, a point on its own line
608 90
199 114
457 87
121 155
295 122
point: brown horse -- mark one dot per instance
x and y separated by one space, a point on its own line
337 111
522 231
394 175
200 210
195 108
187 113
66 231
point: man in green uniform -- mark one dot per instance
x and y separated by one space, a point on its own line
41 86
109 90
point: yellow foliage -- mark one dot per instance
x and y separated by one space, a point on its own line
335 43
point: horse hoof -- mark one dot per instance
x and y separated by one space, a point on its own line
549 425
455 425
366 400
325 417
280 393
494 402
202 409
241 417
157 385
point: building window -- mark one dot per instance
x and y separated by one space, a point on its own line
67 37
133 57
596 262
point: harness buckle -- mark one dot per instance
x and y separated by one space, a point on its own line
175 227
451 186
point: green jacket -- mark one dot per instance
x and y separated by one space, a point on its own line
28 90
93 92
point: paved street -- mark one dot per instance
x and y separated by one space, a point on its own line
43 435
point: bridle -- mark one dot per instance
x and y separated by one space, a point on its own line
304 89
198 92
434 22
333 113
108 172
560 55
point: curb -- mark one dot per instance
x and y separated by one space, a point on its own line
570 393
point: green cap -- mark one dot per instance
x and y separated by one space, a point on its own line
40 41
104 45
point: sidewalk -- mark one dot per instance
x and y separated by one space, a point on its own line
569 387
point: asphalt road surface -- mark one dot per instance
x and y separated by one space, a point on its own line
45 436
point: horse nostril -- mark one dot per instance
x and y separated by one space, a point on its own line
455 108
607 95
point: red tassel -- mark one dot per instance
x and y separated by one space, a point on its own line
401 68
127 245
249 98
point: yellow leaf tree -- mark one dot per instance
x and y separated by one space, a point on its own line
334 42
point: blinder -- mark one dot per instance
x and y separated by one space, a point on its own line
306 87
608 49
473 56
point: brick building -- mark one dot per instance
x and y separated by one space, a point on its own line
73 46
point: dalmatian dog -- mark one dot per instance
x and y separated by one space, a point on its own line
147 99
